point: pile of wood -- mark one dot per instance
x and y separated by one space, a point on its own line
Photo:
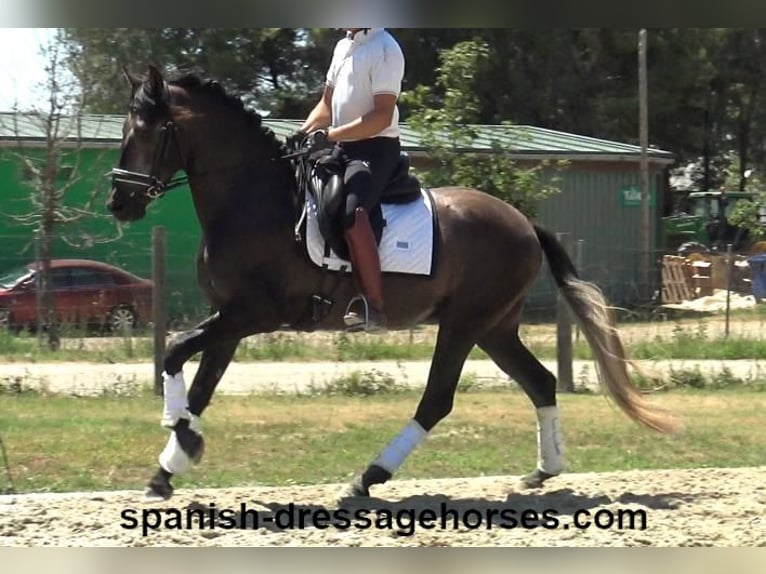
676 285
700 275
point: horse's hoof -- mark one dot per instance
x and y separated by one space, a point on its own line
535 479
354 489
360 486
159 488
151 494
374 475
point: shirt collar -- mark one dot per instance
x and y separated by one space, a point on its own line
363 35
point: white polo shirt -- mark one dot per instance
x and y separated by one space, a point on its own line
362 66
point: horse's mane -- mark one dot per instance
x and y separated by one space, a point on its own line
191 81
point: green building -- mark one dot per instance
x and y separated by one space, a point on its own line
599 203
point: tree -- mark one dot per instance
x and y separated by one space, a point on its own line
266 67
745 95
50 171
706 101
445 119
709 91
281 70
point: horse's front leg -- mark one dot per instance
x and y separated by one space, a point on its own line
181 412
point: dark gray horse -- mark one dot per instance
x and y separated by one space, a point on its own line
258 278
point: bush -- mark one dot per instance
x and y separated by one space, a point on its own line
362 384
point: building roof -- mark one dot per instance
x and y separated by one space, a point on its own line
30 128
520 141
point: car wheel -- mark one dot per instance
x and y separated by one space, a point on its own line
121 319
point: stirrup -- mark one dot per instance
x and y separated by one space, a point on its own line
370 321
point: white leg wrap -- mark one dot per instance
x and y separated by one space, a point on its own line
175 407
173 458
550 442
400 447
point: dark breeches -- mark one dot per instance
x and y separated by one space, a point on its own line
369 166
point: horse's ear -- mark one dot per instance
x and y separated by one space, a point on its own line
155 83
131 79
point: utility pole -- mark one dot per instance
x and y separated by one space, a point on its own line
159 303
643 120
565 379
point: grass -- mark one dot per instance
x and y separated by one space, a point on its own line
406 345
698 344
688 339
24 347
59 443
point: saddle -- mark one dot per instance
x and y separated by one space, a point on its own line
326 185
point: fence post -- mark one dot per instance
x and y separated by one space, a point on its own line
39 320
159 304
729 262
565 381
578 266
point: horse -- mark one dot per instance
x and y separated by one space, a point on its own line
258 278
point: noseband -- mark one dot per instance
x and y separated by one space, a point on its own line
153 186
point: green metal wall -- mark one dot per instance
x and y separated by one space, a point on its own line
132 251
590 207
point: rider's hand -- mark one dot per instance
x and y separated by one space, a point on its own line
295 139
319 141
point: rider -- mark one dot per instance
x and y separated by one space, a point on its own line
359 107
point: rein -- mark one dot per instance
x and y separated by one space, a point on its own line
152 185
302 169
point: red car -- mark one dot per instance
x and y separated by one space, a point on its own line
85 293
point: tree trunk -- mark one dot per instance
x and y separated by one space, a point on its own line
745 130
46 286
47 226
706 152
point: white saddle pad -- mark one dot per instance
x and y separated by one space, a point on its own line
406 246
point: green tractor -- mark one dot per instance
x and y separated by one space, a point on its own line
702 224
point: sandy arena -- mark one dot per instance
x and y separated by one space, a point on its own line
702 507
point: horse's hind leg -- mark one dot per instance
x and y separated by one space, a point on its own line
453 344
503 345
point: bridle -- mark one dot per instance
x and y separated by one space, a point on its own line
153 186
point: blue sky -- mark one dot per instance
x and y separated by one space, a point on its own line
22 67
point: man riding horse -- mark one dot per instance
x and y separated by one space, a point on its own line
358 105
258 280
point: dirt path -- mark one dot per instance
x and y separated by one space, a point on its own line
297 377
704 507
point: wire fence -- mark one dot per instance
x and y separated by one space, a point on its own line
615 270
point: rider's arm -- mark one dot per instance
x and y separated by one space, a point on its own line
321 116
386 69
370 124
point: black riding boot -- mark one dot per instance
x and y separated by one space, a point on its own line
365 261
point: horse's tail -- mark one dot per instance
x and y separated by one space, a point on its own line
597 322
